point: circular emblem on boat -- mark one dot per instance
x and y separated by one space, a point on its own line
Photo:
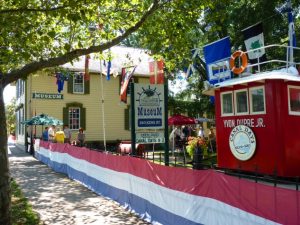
242 142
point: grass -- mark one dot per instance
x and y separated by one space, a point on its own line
21 210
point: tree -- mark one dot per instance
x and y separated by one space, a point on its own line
36 35
208 23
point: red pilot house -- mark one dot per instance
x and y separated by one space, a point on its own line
258 122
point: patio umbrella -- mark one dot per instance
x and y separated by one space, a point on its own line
42 119
179 120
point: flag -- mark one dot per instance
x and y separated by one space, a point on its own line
191 68
254 38
126 76
60 81
108 70
217 55
86 68
108 65
156 69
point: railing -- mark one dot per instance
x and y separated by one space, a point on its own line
281 61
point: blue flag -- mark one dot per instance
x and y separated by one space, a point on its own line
108 70
217 55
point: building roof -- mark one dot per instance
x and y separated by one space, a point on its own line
121 57
260 77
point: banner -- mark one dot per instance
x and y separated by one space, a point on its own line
217 55
156 69
254 38
126 76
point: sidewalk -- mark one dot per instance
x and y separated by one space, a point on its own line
59 200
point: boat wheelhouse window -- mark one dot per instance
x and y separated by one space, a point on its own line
227 103
241 102
294 100
257 100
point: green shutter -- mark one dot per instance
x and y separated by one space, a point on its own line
65 116
86 87
82 118
126 119
70 85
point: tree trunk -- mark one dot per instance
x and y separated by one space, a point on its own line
5 191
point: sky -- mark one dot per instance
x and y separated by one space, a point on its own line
9 93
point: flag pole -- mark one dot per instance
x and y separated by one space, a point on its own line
291 33
102 104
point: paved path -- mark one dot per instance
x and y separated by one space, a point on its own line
59 200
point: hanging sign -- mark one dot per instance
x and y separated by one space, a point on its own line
150 137
149 106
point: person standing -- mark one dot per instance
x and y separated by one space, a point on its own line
80 137
59 136
51 133
45 135
201 132
68 134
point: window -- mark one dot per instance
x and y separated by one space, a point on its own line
294 100
257 100
74 118
227 104
74 115
78 84
241 102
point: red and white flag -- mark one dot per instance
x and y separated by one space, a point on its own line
86 68
126 76
156 69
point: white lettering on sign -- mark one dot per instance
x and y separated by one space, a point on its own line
259 122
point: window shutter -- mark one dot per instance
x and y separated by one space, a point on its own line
65 116
70 85
126 119
82 118
86 87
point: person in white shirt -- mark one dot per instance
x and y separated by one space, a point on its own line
68 134
51 133
201 132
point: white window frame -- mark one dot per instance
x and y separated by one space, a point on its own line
74 78
69 118
222 112
235 102
289 98
251 105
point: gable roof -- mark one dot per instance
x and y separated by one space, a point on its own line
121 57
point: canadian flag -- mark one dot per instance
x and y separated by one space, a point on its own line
156 69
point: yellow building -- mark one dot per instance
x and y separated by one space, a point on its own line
92 104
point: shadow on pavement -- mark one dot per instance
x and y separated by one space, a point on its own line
60 200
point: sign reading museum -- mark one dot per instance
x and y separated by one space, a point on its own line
149 106
47 96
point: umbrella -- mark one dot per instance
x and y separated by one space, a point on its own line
178 120
181 120
43 119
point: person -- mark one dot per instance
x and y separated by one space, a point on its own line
80 138
212 140
185 132
45 134
59 136
51 133
68 134
201 132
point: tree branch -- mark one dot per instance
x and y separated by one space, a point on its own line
23 72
